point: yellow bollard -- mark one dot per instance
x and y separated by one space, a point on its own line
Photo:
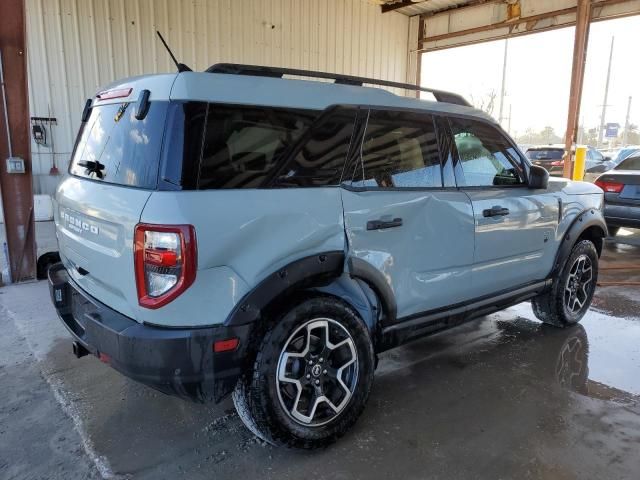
578 164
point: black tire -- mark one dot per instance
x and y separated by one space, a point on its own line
552 307
613 231
261 399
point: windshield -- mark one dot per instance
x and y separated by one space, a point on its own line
545 154
115 147
630 163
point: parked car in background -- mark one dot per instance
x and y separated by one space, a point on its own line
622 195
550 158
631 150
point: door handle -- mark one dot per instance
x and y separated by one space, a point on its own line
495 211
382 224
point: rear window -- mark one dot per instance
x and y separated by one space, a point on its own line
221 146
114 147
545 154
631 163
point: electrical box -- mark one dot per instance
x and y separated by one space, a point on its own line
15 165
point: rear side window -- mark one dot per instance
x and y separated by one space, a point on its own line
399 149
242 145
320 159
114 147
630 163
485 157
545 154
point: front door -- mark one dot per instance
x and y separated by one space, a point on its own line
514 225
399 217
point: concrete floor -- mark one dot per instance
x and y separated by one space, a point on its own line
501 397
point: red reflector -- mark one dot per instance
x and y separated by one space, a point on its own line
225 345
119 93
161 258
104 358
610 187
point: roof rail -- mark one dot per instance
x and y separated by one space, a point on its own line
278 72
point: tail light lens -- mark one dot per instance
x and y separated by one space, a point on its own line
557 163
610 187
165 260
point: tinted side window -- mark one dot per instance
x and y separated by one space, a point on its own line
242 145
114 147
485 158
183 144
320 159
399 149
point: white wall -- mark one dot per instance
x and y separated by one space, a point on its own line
75 46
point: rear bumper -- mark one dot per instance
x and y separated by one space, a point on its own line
176 361
622 215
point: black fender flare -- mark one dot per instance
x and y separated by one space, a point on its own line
312 271
587 219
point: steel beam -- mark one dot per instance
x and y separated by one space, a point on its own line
17 188
583 19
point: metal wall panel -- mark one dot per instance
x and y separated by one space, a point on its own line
75 46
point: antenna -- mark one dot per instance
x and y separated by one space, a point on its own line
181 66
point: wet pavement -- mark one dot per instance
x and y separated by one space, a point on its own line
501 397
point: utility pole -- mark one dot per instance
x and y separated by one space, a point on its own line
606 95
625 135
504 79
509 127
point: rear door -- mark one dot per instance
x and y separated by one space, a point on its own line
401 219
514 225
97 205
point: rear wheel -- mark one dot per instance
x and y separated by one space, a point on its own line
572 291
311 378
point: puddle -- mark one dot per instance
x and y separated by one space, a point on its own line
603 349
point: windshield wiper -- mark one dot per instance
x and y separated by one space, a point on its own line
92 167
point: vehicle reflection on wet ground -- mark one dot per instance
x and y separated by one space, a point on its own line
500 397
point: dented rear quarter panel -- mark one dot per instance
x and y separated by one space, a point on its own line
242 237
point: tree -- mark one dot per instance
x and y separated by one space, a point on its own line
486 103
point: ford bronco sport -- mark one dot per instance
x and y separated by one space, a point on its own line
236 232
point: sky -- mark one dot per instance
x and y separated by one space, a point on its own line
539 74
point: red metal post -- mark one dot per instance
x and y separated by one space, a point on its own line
17 188
583 19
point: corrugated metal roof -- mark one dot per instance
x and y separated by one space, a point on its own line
432 6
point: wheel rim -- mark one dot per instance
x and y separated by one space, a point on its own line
317 372
579 282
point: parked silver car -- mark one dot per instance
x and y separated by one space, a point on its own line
235 231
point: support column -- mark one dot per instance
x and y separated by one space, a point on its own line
583 18
17 188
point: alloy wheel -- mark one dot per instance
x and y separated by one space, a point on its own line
317 372
579 282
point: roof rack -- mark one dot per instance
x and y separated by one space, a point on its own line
278 72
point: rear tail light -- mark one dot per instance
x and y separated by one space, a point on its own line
610 187
165 260
557 163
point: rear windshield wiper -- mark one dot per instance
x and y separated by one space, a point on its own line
92 167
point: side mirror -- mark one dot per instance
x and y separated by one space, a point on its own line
538 177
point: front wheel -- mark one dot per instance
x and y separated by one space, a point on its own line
572 291
311 377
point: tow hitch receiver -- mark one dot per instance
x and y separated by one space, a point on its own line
79 351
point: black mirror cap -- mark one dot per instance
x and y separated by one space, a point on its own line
143 104
538 177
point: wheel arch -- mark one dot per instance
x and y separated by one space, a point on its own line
589 225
